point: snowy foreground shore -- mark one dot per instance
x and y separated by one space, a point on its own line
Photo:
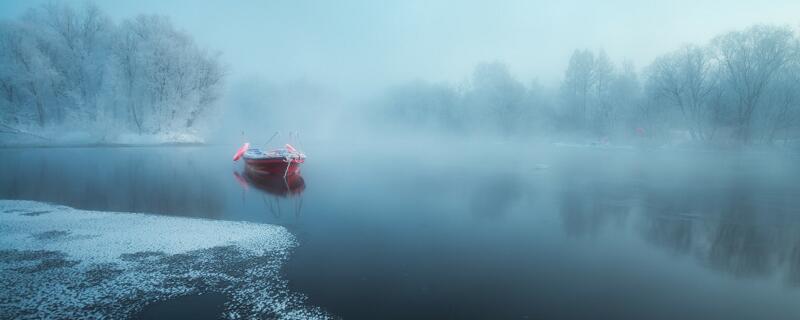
61 263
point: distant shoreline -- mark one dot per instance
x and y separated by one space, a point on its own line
103 145
84 140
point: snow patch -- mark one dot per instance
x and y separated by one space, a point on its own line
68 263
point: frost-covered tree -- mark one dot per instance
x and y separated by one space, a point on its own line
495 98
27 78
577 85
68 68
751 60
75 43
585 91
744 82
164 81
623 101
687 80
743 85
780 114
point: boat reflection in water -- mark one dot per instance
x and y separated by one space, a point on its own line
275 189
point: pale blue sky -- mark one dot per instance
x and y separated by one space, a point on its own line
369 44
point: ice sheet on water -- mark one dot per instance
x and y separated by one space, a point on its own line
68 263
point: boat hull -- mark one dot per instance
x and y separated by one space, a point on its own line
272 183
274 166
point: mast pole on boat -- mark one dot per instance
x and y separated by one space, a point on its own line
270 139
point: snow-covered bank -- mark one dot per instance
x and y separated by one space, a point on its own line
59 262
65 139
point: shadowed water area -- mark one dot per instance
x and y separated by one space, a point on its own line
496 230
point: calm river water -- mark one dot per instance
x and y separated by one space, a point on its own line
489 231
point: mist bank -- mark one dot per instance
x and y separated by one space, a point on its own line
72 75
742 88
256 108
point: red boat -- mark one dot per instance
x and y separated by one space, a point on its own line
284 161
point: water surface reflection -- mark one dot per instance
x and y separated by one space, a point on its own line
273 189
388 234
743 223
